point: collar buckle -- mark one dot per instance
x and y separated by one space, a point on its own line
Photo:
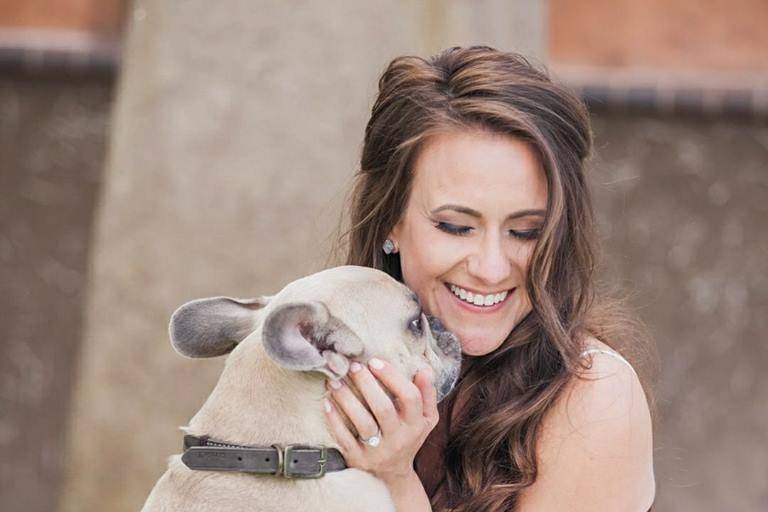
285 461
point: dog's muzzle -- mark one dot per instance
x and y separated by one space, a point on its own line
447 342
449 345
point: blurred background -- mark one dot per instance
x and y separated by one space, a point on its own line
154 152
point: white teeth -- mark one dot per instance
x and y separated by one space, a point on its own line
477 299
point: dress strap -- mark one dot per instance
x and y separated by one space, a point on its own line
610 353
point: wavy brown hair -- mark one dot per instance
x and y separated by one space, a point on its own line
490 456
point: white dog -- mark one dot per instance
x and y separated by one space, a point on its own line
260 442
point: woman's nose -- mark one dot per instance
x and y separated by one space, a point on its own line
490 263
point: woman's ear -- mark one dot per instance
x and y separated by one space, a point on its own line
304 336
214 326
394 233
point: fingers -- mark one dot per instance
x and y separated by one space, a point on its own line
408 396
378 401
424 380
361 419
403 426
348 443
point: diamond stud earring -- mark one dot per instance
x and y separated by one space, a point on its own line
389 246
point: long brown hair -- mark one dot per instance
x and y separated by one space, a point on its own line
490 456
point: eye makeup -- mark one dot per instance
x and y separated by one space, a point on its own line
453 229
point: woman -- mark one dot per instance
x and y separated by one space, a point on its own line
472 192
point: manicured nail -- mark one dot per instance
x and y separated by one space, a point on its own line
326 405
376 363
355 367
335 384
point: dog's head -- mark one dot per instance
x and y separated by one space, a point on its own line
322 323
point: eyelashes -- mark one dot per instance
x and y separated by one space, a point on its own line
453 229
527 234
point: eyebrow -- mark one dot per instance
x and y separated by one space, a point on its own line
475 213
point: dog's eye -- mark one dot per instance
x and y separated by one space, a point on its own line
415 326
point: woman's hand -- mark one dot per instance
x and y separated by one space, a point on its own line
404 424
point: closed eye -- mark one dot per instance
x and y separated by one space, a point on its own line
453 229
527 234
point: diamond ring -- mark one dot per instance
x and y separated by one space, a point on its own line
374 440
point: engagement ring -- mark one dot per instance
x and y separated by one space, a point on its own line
374 440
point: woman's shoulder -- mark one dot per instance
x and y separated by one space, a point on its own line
596 440
608 390
593 347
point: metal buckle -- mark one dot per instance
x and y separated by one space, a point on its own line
287 457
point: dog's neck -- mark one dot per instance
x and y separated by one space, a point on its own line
257 402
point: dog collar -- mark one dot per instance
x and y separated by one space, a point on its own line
291 461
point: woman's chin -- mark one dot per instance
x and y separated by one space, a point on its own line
475 344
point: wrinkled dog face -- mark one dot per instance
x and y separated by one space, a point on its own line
322 323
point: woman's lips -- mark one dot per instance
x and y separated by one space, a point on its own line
478 309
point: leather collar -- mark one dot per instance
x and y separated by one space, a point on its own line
291 461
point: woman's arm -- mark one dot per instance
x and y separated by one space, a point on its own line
408 494
595 449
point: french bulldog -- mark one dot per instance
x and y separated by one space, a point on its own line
266 410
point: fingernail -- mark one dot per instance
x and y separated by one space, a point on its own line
335 384
355 367
326 405
376 363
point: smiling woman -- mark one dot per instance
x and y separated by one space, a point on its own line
472 192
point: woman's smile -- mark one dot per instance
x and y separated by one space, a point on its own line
478 302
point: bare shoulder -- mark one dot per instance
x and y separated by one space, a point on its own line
595 446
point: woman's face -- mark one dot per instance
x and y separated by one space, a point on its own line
476 206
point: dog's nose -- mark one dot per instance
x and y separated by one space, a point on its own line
446 341
435 324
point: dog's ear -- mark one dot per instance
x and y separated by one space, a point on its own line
304 336
214 326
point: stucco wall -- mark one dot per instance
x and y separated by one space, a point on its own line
52 144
